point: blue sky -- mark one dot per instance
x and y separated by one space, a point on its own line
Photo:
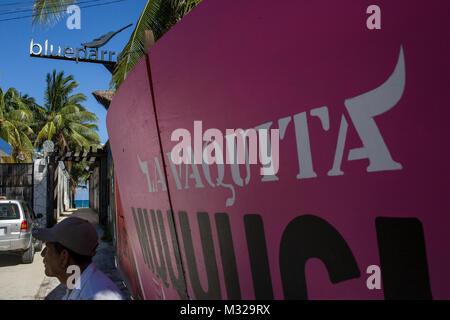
5 147
27 74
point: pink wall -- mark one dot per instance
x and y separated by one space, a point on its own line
366 183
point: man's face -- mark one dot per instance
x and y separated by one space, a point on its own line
53 261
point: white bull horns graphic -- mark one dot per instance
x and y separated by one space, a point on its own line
365 107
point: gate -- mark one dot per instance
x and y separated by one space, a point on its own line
16 181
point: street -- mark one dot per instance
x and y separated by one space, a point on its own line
23 281
28 282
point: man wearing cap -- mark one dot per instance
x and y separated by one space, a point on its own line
69 247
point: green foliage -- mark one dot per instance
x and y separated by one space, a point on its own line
79 173
15 120
63 119
46 12
158 16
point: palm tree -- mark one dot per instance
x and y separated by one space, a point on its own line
158 16
63 119
46 12
37 114
15 119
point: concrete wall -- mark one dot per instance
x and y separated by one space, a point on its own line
64 192
62 185
40 187
94 190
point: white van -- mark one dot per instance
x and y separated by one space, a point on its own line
17 220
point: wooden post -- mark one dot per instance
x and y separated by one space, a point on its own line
50 192
148 39
103 192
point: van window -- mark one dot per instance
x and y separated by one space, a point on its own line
9 211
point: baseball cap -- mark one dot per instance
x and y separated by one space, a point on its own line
74 233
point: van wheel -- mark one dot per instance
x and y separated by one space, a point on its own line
28 255
38 246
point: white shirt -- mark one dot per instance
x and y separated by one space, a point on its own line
93 285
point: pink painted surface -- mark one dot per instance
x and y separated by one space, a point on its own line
125 251
235 64
128 131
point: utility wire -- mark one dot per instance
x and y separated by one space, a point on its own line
29 2
89 6
16 9
16 3
30 9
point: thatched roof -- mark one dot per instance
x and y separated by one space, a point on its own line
3 154
104 97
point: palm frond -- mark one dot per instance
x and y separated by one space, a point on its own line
158 16
58 121
69 109
91 125
20 115
86 132
4 133
23 127
16 119
51 130
76 98
80 140
47 11
42 134
80 117
64 120
26 142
